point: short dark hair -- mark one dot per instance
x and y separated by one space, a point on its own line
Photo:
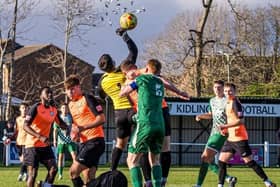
106 63
44 88
126 65
71 81
220 82
155 65
23 104
231 85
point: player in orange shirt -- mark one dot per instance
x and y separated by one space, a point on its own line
20 141
237 138
87 128
37 124
20 136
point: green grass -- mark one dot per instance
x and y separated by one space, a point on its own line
178 177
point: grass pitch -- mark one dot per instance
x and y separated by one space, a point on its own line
178 176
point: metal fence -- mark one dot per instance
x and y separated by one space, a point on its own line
189 137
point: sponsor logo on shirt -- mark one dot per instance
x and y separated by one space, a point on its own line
99 108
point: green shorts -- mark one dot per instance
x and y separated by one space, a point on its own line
215 142
147 138
71 147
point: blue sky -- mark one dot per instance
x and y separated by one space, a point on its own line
102 39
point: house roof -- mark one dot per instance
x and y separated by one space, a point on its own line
27 50
30 49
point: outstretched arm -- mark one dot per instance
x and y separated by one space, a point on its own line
133 50
170 86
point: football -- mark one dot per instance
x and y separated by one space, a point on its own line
128 21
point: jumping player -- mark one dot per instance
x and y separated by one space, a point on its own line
130 70
110 85
149 133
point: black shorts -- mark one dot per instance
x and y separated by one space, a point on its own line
20 150
241 147
90 152
124 122
35 155
167 121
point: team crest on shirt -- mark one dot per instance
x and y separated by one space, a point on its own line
99 108
51 113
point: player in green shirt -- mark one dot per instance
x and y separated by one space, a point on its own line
149 133
62 140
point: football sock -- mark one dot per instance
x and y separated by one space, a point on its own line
77 182
214 167
202 173
165 162
146 168
116 156
136 176
259 171
157 175
59 170
23 169
222 172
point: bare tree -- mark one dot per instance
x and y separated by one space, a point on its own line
11 12
199 44
230 43
74 18
44 68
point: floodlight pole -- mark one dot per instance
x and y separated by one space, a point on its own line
228 63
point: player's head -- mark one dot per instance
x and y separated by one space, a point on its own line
218 88
106 63
229 90
23 107
72 87
129 69
46 96
153 66
64 108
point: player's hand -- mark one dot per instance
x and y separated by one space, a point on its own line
55 144
120 31
184 95
75 131
197 118
7 141
44 139
223 129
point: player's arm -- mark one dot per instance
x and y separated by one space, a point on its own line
28 121
132 48
14 136
55 134
60 122
170 86
127 89
203 116
97 110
